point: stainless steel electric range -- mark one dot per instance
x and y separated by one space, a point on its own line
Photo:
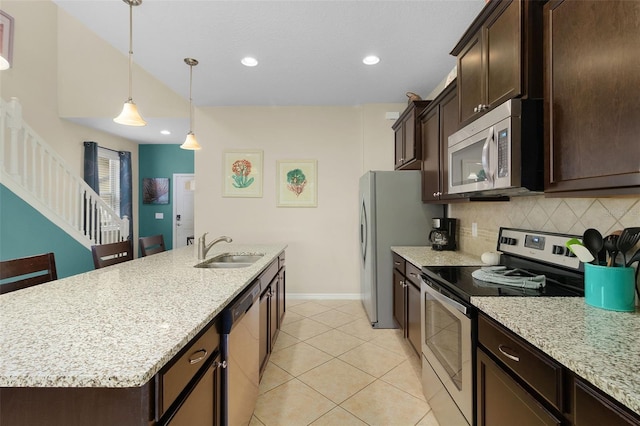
532 264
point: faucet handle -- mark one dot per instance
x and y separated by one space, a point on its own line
203 237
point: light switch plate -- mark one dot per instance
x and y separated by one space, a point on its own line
474 229
159 215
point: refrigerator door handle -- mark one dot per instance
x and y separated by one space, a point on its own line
363 231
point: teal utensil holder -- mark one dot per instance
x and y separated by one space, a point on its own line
610 288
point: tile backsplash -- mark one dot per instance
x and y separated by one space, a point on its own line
565 215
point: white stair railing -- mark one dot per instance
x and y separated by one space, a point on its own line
35 172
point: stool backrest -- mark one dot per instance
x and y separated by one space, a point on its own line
151 245
110 254
27 271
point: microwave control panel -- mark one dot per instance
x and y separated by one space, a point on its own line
503 152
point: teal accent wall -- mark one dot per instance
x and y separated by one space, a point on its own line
26 232
161 161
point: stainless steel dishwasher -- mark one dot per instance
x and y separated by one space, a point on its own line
240 348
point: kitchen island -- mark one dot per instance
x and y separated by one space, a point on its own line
117 327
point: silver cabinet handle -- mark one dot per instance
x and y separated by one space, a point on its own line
396 263
413 274
504 351
222 364
199 358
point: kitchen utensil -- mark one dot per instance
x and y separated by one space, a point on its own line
634 258
582 253
573 241
592 240
610 245
627 240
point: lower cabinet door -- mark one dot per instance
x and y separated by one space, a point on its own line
264 329
398 301
413 317
201 407
501 401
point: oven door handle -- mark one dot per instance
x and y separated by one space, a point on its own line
445 300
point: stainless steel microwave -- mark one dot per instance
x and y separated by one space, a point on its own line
500 153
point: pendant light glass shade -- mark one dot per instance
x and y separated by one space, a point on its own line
130 115
4 64
191 142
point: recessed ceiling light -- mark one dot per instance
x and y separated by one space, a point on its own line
371 60
165 132
249 61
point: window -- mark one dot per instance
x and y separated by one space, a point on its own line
109 178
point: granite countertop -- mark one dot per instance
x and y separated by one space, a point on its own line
599 345
424 256
116 326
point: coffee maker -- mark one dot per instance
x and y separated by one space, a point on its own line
443 234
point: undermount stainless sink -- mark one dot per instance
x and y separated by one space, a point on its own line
230 260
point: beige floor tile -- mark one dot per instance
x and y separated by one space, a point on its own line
299 358
404 377
272 377
284 340
334 303
372 359
361 328
333 318
428 420
294 302
353 308
336 380
308 309
383 404
291 317
338 417
291 404
335 342
255 422
304 329
393 341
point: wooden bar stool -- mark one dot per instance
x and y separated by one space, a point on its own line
34 270
151 245
110 254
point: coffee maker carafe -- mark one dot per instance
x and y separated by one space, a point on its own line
443 234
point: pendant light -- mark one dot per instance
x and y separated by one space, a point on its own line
190 142
130 115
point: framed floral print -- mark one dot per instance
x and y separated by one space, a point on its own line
297 183
155 191
242 173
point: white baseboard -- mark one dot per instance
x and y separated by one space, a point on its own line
324 296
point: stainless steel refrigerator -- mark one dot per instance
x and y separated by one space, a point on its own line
391 214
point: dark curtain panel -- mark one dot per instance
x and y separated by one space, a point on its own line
91 175
126 189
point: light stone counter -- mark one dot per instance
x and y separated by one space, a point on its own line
601 346
424 256
116 326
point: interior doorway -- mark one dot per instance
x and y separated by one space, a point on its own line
183 197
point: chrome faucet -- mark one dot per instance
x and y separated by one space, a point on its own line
203 247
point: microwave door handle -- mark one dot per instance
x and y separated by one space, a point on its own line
485 156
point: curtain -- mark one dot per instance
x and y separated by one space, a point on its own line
126 189
91 165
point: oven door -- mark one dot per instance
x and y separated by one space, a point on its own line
447 356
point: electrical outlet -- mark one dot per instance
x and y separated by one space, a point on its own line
474 229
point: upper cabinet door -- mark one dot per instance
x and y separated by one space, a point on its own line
592 87
471 85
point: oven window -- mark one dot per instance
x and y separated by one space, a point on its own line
443 335
466 164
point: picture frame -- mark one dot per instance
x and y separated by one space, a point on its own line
242 173
6 37
155 191
297 183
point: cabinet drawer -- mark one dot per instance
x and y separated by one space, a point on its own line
179 374
413 273
268 275
534 367
399 263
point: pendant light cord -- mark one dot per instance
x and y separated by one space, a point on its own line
190 102
130 51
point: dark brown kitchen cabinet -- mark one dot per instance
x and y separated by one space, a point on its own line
501 401
406 300
499 57
592 86
437 122
271 308
407 136
592 407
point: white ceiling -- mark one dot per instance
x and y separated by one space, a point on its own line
309 51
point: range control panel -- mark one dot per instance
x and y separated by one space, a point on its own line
538 245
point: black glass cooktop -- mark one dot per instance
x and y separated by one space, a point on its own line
458 280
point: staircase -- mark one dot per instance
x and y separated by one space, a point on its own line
31 169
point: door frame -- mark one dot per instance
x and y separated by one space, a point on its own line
175 208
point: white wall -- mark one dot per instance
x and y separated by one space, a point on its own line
322 253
